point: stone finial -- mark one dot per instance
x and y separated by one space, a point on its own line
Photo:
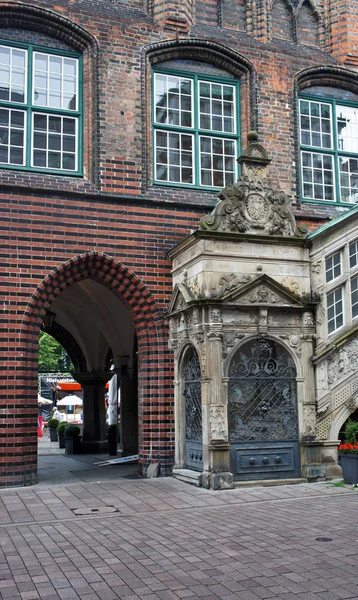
252 204
254 159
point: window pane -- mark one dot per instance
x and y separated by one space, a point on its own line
173 100
315 124
12 136
53 147
333 266
217 161
174 157
12 74
55 81
353 254
354 296
347 128
317 176
216 107
348 170
335 310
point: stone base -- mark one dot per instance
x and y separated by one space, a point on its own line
217 481
188 476
313 472
94 446
332 470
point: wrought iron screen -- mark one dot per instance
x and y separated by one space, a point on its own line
192 395
262 394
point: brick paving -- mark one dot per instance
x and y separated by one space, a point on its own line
170 541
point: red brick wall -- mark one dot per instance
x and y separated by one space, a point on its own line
114 210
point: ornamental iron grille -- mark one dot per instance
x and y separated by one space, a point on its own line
262 394
193 414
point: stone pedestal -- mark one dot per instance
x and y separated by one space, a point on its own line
94 410
219 476
330 458
311 459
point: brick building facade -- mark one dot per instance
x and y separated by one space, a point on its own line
89 198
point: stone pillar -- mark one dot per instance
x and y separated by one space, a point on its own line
129 411
94 411
216 473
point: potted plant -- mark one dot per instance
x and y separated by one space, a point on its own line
61 434
112 439
52 424
348 453
72 439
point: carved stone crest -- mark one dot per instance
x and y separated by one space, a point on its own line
252 204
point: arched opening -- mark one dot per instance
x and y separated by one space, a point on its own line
262 412
193 425
344 430
108 311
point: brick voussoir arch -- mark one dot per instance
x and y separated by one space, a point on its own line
147 320
105 270
28 16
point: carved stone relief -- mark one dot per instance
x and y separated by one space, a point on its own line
343 362
309 420
217 422
291 284
228 283
308 320
199 339
282 319
295 343
230 339
261 295
194 286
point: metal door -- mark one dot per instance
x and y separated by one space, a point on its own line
263 422
193 414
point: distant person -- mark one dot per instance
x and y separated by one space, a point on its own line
56 414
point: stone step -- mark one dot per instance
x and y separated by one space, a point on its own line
269 482
188 476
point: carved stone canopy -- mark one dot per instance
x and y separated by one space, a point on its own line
253 204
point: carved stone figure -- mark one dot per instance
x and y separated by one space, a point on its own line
217 422
263 294
216 316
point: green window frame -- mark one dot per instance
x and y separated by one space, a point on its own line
40 109
328 130
195 128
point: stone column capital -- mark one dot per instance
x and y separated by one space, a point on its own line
92 377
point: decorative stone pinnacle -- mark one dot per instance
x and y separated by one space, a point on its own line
252 204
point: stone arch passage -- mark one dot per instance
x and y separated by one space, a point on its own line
22 417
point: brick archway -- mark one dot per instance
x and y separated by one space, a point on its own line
149 326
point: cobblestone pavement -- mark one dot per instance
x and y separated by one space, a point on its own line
160 539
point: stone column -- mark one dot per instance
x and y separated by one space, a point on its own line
94 411
129 411
218 475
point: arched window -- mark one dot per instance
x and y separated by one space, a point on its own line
196 128
329 144
40 108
